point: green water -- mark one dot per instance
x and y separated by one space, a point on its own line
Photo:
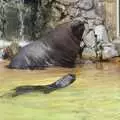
95 95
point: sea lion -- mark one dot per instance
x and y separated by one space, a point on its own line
46 89
58 48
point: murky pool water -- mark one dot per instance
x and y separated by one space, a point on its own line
95 95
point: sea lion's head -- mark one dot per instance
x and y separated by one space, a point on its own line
77 29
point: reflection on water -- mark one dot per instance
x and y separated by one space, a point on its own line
94 95
88 75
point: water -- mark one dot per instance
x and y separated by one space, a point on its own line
2 18
12 19
95 95
24 19
20 7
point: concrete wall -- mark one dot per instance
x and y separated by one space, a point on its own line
111 16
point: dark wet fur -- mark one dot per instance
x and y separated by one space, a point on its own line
46 89
58 48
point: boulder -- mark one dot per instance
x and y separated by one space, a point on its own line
85 4
109 52
89 39
101 33
117 45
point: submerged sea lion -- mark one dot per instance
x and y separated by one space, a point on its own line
58 48
60 83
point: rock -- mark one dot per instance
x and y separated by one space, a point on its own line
109 52
85 4
73 12
89 39
89 53
99 5
65 2
57 10
117 45
101 33
60 7
91 14
91 24
99 21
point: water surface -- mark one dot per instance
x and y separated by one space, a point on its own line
95 95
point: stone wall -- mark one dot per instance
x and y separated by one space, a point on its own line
104 8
